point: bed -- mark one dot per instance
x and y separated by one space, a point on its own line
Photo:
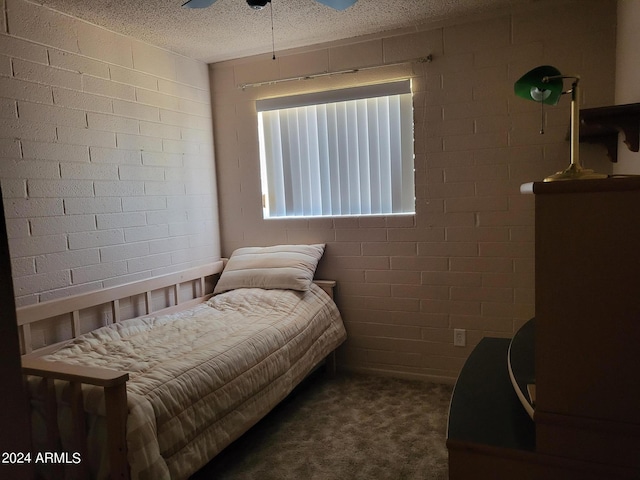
159 395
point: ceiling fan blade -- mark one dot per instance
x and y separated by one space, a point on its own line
198 3
337 4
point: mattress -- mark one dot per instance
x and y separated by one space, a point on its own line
202 377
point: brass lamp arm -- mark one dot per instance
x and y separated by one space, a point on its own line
548 78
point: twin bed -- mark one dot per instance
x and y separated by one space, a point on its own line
158 396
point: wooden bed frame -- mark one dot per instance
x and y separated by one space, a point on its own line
113 382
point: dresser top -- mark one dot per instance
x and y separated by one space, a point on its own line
612 184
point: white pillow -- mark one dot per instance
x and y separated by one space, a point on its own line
288 267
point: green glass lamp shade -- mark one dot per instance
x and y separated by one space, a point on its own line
535 85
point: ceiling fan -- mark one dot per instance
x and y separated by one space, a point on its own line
259 4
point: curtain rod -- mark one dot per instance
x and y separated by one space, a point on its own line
427 59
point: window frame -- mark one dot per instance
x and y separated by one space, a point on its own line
365 97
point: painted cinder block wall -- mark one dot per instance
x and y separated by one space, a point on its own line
106 156
466 259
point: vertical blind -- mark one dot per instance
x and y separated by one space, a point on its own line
342 152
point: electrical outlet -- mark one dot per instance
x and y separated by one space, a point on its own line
459 337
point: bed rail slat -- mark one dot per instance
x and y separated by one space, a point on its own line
79 426
51 420
148 304
75 323
116 409
27 345
51 414
115 310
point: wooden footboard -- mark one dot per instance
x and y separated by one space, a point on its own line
113 382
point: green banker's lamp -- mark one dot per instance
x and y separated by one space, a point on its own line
545 84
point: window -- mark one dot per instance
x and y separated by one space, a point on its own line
341 152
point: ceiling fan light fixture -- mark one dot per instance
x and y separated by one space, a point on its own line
258 4
198 3
337 4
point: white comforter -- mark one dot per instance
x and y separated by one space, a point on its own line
202 377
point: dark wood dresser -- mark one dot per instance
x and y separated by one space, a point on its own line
585 348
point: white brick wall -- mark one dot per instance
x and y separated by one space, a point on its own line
94 130
465 260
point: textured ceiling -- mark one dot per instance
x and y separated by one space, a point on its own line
230 29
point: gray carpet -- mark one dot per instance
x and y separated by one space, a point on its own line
344 427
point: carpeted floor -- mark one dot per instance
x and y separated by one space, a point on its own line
345 427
